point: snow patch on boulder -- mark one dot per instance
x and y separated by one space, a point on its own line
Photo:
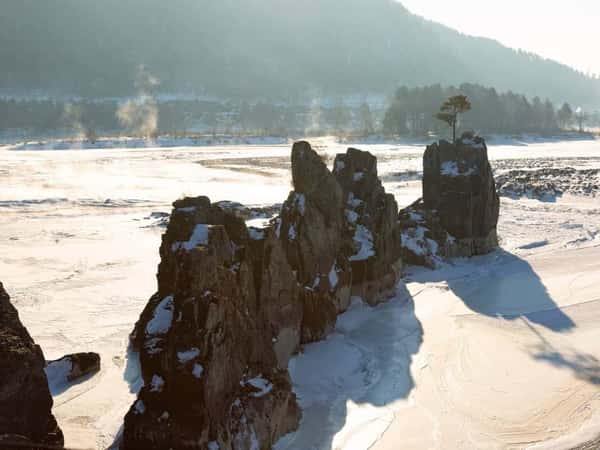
263 385
364 238
333 277
188 355
256 234
199 237
157 383
163 317
197 370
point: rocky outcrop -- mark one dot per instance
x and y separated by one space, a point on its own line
234 303
459 210
212 378
25 401
74 366
313 231
371 216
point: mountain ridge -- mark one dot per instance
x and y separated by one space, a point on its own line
251 48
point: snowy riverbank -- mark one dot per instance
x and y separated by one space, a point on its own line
166 141
495 352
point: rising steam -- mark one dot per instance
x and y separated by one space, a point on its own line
140 115
74 121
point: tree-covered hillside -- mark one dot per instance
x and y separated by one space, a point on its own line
278 48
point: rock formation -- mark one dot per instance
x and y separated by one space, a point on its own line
371 215
313 231
25 400
235 303
211 374
459 210
74 366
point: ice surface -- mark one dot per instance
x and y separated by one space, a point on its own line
507 339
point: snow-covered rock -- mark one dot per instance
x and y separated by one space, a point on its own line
371 219
220 303
312 219
73 366
235 303
458 185
424 241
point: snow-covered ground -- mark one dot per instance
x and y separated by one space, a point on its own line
495 352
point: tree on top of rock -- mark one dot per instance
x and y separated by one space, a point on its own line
450 110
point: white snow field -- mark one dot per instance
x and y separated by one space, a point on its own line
497 352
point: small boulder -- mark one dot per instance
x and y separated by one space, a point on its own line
73 366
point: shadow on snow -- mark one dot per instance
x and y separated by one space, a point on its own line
365 362
502 285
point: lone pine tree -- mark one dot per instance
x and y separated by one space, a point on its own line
450 110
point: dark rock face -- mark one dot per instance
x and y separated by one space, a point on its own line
78 364
313 231
371 216
235 303
25 400
211 372
459 189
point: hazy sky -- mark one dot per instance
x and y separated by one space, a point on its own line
565 30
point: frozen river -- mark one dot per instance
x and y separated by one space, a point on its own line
497 352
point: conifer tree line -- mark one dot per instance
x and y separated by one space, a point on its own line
409 112
414 111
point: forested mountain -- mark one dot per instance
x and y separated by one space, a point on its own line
287 49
